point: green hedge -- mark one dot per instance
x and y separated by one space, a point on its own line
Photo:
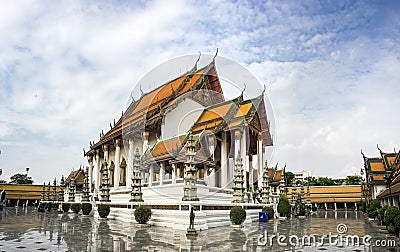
237 215
103 210
76 207
142 214
86 208
390 214
269 210
65 207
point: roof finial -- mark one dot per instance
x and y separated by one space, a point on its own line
141 91
377 146
263 90
133 99
84 152
216 53
362 154
195 64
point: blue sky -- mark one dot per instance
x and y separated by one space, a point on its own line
332 72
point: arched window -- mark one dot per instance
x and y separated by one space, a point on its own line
111 169
122 173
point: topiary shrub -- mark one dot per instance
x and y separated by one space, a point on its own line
391 213
237 215
302 210
76 207
86 208
373 214
391 230
103 210
55 205
65 207
269 210
283 206
142 214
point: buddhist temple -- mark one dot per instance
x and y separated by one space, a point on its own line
181 144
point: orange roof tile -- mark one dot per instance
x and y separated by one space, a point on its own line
168 145
243 109
378 177
377 166
213 113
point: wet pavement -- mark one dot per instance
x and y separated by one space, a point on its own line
27 230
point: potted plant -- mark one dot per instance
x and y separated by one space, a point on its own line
76 207
86 208
65 207
302 211
270 212
237 216
103 210
390 214
142 214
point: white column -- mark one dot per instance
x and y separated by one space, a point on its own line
335 206
130 164
117 163
211 177
97 173
105 151
90 162
173 173
245 157
260 165
145 141
162 172
251 175
224 162
151 175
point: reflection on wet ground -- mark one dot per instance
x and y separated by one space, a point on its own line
27 230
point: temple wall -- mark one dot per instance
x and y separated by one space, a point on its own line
179 120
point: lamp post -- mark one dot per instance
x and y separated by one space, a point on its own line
27 171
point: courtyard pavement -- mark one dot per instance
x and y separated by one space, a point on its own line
24 229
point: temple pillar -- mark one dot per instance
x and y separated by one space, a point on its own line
345 206
224 162
97 173
151 175
259 159
211 177
162 172
90 162
130 164
326 207
335 206
173 173
117 163
251 174
105 151
145 141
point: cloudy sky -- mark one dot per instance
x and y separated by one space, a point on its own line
332 72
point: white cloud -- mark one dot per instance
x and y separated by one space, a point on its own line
66 70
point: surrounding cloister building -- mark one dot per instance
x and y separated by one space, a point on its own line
378 173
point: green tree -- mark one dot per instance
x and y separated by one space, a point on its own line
283 206
289 177
353 180
21 179
3 181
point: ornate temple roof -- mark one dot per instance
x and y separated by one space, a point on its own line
79 177
331 194
235 113
152 105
